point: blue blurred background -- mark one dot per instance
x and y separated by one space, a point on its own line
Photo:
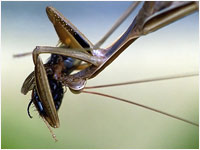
88 121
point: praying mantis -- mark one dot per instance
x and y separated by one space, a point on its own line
151 17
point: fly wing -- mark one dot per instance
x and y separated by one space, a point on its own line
44 92
28 84
67 32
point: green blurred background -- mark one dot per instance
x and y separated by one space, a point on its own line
89 121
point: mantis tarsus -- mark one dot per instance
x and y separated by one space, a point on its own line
151 17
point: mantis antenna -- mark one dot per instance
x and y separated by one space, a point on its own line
145 80
144 106
141 105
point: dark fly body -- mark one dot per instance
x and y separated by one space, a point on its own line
55 85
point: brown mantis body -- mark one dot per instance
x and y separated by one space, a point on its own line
73 43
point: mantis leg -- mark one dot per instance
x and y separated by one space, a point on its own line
152 16
155 15
30 53
132 7
44 92
75 53
73 83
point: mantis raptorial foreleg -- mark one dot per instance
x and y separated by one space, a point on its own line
66 52
41 79
44 92
75 53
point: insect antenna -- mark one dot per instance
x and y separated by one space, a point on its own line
143 81
22 54
141 105
169 77
30 53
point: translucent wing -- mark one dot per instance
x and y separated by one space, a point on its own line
28 84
